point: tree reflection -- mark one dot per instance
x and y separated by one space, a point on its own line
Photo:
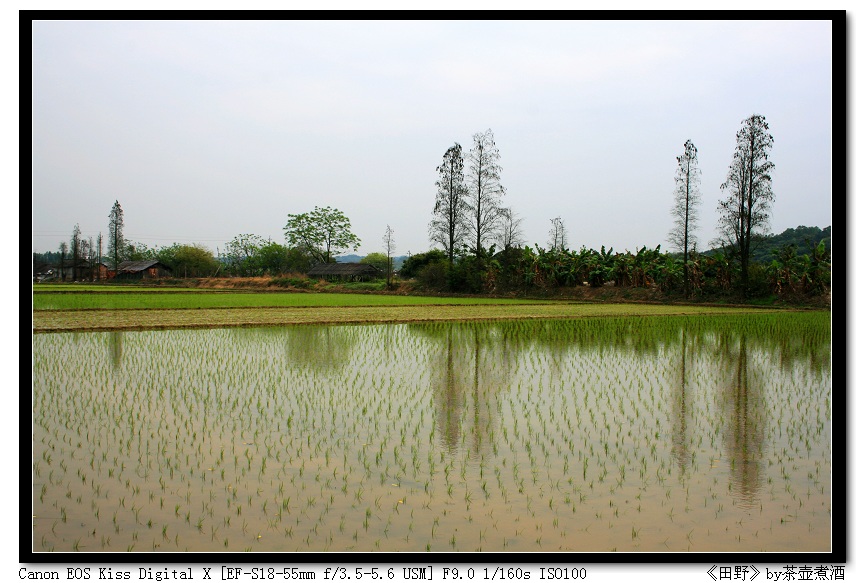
468 367
682 410
449 397
115 348
319 347
745 425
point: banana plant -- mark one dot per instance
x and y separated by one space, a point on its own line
622 266
669 273
725 271
817 269
785 270
696 275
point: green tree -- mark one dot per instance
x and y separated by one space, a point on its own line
377 260
322 233
745 211
684 210
449 225
116 242
138 251
64 248
803 238
242 255
273 258
412 266
193 260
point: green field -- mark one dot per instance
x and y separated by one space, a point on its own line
209 299
41 288
80 309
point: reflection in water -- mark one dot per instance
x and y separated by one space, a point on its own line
320 347
469 365
115 347
325 348
682 411
450 397
744 435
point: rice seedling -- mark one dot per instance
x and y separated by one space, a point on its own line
573 424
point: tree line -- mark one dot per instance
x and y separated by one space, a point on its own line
468 215
314 237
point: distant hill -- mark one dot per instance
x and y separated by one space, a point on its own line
801 237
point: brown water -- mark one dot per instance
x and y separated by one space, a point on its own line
655 434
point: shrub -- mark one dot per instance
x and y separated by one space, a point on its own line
434 275
412 266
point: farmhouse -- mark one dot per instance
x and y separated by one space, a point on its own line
149 269
80 271
105 269
345 271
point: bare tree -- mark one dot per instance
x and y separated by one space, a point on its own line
510 231
684 210
745 211
75 249
449 225
99 256
558 235
389 247
485 189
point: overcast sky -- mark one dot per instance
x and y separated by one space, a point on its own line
206 130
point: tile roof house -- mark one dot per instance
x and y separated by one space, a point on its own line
148 269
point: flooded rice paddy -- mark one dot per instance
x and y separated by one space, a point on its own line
639 434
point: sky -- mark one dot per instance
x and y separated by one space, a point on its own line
206 130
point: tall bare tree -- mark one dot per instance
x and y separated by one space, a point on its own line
116 242
485 189
389 247
75 248
449 225
745 211
99 256
687 198
558 235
